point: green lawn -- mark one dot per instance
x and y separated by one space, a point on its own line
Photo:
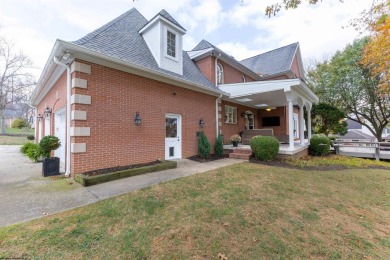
244 211
22 131
13 140
16 140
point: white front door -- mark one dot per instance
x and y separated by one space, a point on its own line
60 132
172 136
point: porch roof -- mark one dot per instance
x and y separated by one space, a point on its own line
273 93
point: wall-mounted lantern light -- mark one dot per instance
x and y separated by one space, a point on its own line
39 117
137 119
47 112
201 123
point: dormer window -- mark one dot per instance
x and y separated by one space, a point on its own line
171 44
219 74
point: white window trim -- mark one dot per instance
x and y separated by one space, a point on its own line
166 30
234 115
243 78
223 74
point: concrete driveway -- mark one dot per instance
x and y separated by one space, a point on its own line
25 195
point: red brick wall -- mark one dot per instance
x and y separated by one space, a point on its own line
207 66
51 101
116 97
295 67
231 75
231 129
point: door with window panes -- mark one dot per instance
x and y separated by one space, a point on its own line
172 136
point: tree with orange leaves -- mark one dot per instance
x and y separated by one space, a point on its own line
376 55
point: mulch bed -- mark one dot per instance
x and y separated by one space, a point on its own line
197 158
119 168
284 164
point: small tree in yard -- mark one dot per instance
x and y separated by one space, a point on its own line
328 119
203 146
218 146
19 123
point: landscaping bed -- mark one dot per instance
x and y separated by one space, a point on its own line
326 163
119 172
212 157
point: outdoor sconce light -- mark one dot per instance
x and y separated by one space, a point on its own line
47 112
201 123
137 119
39 117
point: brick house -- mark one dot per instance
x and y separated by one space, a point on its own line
93 91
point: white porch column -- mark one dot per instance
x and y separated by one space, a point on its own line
290 124
308 123
301 126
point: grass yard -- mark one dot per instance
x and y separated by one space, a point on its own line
244 211
22 131
13 140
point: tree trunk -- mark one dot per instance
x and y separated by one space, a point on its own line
3 127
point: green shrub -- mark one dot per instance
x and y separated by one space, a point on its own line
264 148
319 145
25 147
19 123
30 137
34 152
48 144
203 146
218 146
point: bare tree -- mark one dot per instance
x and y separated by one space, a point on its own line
15 81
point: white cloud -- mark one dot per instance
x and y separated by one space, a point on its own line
238 50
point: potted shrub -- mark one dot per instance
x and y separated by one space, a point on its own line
235 139
50 165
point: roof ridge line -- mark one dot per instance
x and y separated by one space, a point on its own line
107 26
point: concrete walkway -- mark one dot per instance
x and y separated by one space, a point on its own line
25 195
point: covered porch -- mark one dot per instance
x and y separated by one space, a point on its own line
269 95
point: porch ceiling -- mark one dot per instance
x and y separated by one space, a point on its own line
270 93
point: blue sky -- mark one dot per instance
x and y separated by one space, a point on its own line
239 27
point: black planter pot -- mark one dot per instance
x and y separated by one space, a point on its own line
51 166
235 144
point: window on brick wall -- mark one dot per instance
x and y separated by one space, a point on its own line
230 115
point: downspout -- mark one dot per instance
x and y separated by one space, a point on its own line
218 98
68 111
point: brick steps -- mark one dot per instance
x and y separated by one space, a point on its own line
243 154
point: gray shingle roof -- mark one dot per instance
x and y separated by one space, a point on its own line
356 134
272 62
120 39
167 16
203 44
353 125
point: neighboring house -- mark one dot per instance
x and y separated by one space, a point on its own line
356 135
352 125
127 93
19 110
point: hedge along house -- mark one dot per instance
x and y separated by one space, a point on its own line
127 93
